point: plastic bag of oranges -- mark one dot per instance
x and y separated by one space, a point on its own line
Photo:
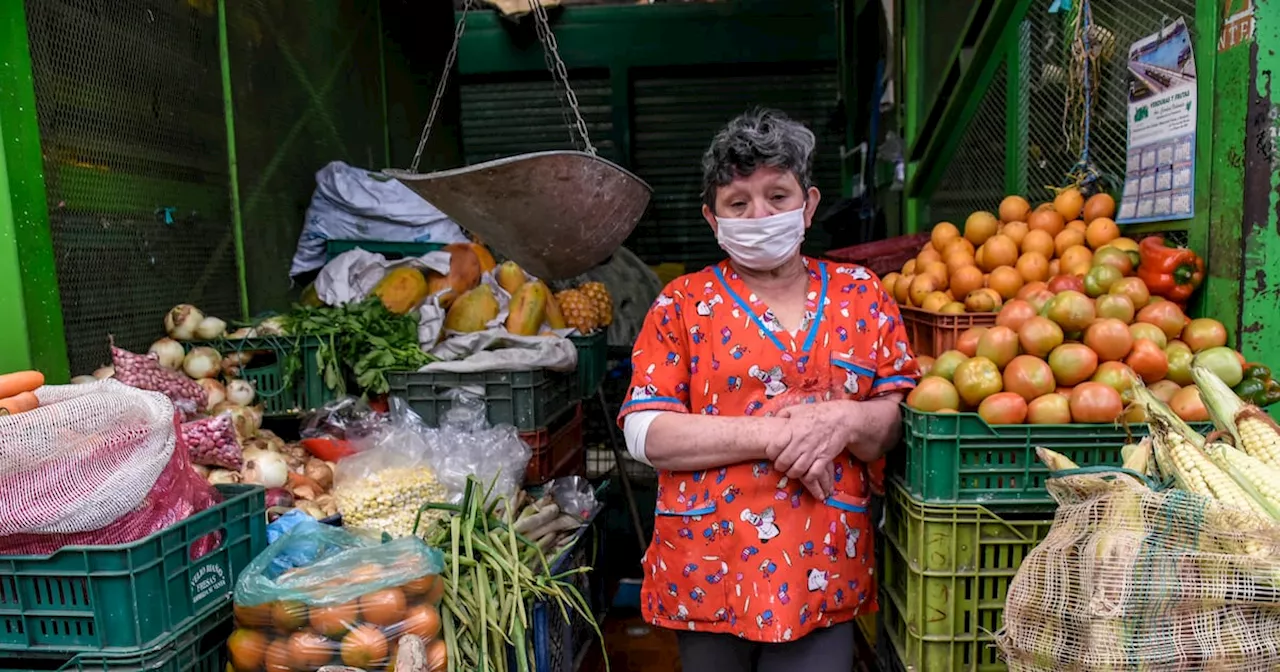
322 596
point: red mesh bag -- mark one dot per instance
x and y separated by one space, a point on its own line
95 464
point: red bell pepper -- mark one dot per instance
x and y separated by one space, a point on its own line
330 450
1169 271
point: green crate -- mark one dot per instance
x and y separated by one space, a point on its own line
279 393
593 362
390 250
129 597
957 458
527 400
946 572
202 648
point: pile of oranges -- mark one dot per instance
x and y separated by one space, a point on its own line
293 636
997 255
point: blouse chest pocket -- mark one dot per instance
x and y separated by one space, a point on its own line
853 376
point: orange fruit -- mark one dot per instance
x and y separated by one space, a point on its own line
921 287
959 245
887 282
1014 209
980 226
386 607
935 301
943 233
1101 231
958 260
1054 267
939 272
1006 281
999 250
1033 267
965 280
1038 241
1015 230
1048 221
909 268
1099 205
1069 203
901 287
1069 238
927 257
1076 225
1076 260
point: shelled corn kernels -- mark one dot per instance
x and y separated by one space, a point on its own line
388 501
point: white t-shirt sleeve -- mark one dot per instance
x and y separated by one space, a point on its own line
635 427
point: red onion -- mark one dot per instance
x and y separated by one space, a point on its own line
279 497
145 373
213 442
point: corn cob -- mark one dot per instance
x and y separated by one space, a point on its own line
1137 456
1194 472
1257 478
1055 461
1253 430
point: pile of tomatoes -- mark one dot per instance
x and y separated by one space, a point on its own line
1063 357
294 636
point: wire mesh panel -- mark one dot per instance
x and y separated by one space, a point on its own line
675 117
1047 45
131 126
307 91
974 179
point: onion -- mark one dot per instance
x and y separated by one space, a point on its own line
222 476
279 497
318 470
232 362
312 510
214 390
105 372
202 470
182 321
242 332
202 362
272 326
211 328
240 392
266 469
83 380
246 419
170 353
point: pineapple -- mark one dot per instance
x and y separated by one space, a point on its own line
599 296
579 310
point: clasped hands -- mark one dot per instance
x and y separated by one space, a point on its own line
814 435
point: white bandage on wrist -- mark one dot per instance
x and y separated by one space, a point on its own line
635 427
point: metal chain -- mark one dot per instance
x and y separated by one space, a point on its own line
558 70
442 86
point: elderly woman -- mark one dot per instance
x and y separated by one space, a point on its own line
764 386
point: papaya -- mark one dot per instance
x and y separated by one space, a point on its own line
528 309
401 290
464 274
510 276
555 318
472 311
484 256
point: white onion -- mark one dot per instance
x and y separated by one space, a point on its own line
214 390
202 362
247 419
221 476
266 469
170 353
211 328
181 322
240 392
105 372
242 332
83 380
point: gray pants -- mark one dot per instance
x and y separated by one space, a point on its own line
827 650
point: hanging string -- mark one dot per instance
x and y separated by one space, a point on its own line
1082 90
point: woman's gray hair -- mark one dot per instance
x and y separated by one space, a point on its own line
761 137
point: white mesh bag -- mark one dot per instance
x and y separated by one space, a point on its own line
86 457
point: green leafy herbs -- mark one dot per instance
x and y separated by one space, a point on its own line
363 341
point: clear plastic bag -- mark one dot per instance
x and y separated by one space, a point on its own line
213 442
348 418
381 487
466 445
320 595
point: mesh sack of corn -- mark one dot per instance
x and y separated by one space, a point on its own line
1135 577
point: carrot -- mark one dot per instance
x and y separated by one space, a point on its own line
19 403
13 384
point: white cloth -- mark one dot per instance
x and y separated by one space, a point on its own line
352 203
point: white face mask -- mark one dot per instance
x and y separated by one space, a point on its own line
761 244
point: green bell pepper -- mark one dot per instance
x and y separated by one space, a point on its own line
1259 371
1251 390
